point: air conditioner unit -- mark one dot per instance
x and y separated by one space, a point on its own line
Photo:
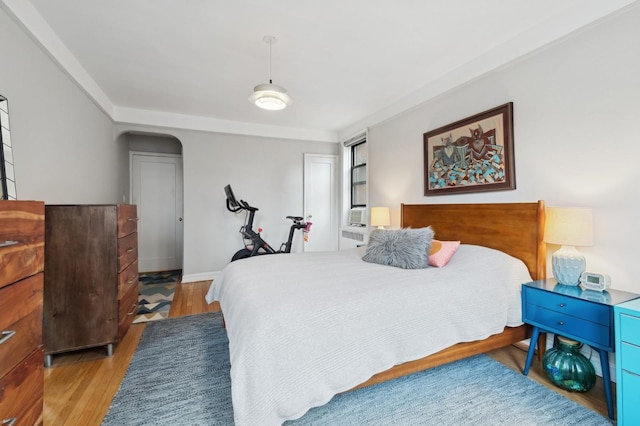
358 217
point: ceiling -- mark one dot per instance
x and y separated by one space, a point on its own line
346 64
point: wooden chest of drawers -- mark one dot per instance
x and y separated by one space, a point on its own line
21 282
91 276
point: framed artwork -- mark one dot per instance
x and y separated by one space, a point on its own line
7 177
471 155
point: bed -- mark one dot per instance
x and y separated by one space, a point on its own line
306 326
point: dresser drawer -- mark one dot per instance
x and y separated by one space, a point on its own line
21 391
563 324
630 329
630 357
23 222
628 399
578 308
127 278
127 250
19 261
127 219
127 310
20 321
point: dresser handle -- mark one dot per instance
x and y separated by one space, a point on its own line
130 250
7 335
560 322
631 372
10 421
134 308
133 219
562 305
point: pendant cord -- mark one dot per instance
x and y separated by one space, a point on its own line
270 62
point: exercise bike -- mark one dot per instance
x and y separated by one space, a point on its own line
254 245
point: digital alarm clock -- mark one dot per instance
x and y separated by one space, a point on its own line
595 281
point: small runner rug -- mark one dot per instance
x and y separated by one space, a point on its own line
155 294
179 375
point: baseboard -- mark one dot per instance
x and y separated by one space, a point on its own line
203 276
523 345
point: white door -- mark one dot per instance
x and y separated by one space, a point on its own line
156 188
321 201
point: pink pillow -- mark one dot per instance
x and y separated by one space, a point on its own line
441 252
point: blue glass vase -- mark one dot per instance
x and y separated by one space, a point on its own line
567 368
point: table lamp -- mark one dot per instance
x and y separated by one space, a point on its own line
380 217
569 227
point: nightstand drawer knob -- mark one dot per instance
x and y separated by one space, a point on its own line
560 322
562 305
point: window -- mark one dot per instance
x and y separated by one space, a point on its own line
359 174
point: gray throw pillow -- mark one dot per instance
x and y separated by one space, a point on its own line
403 248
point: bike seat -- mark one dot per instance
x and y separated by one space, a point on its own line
295 218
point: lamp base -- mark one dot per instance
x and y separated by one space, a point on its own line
568 264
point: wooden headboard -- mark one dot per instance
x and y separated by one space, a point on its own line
514 228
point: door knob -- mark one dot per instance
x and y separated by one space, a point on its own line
180 219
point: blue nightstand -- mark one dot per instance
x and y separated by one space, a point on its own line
582 315
628 362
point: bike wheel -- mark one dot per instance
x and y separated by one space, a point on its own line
241 254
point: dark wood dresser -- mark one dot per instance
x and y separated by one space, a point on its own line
91 276
21 281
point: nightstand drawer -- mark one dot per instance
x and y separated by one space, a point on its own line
570 326
578 308
630 329
630 356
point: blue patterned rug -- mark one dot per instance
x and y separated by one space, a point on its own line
179 375
155 294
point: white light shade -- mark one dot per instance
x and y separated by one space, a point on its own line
270 97
380 217
568 226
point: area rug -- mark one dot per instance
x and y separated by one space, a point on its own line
179 375
155 294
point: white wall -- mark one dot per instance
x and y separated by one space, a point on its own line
267 173
575 107
64 149
67 150
576 112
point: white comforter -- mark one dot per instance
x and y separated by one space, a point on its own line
303 327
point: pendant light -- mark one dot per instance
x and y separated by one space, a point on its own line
270 96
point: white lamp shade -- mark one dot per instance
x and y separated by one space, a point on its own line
380 217
568 226
270 97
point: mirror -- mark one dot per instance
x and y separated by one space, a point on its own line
7 175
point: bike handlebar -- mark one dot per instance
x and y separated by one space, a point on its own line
246 206
234 210
242 205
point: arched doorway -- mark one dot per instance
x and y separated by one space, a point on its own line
155 186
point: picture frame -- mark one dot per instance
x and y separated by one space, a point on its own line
471 155
7 174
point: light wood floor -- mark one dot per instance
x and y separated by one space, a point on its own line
79 387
